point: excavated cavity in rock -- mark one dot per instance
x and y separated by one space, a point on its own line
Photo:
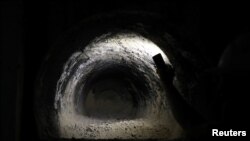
111 90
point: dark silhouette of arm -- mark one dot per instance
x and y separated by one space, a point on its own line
182 111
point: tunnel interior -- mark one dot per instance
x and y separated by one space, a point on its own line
40 41
114 92
112 87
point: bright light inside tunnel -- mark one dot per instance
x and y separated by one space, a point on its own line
111 90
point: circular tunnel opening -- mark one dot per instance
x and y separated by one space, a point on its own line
111 89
